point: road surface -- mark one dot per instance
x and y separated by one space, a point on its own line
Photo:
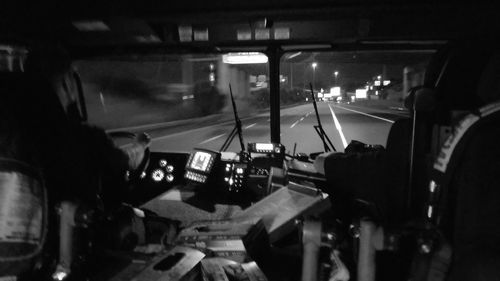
341 122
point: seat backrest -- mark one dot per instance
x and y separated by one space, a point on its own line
474 195
403 195
23 217
457 86
398 157
29 114
23 197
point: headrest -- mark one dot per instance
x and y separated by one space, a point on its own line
488 89
457 85
28 97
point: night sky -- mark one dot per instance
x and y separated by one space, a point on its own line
353 68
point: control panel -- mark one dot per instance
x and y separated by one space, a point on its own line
201 165
266 155
266 148
235 175
196 177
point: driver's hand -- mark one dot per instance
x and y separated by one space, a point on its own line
135 152
144 139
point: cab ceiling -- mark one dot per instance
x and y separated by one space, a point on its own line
154 25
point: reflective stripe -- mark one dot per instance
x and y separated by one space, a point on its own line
443 159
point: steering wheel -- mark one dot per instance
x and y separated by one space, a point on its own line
138 147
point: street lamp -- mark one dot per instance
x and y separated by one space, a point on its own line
314 65
336 73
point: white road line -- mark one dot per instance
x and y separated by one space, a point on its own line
366 114
196 129
159 125
339 128
393 112
211 139
183 132
300 120
293 125
250 126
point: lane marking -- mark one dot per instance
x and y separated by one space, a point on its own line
211 139
293 125
362 113
250 126
195 129
338 127
300 120
161 126
398 113
199 129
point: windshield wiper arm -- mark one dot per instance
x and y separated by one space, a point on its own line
319 127
237 127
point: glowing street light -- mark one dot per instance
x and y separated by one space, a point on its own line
336 73
314 65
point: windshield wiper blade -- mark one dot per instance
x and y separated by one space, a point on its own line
237 127
319 127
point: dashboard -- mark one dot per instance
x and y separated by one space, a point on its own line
234 172
234 176
164 171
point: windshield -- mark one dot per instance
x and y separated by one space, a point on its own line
359 95
183 101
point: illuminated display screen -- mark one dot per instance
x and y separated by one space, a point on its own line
264 146
200 161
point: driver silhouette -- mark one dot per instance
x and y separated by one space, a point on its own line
93 164
42 133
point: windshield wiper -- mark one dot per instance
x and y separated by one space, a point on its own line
319 127
236 129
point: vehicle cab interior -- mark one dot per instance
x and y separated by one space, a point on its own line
263 140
